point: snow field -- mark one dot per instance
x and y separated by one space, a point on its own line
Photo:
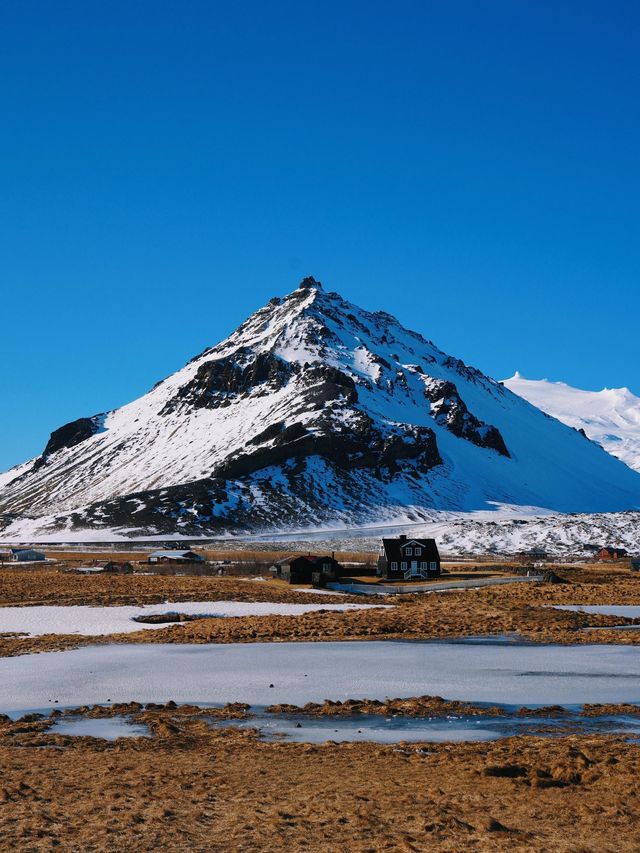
97 621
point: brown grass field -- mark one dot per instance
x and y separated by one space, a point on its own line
193 788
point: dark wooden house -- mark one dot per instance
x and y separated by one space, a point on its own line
532 554
611 553
408 559
307 569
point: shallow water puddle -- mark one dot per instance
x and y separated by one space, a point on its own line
372 727
105 728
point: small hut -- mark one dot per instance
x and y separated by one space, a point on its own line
174 556
307 569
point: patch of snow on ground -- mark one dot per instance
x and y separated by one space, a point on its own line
90 621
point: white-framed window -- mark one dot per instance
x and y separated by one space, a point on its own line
433 566
394 567
403 566
424 566
418 552
409 551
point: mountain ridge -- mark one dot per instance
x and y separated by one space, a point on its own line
313 410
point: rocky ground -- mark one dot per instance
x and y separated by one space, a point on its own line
191 787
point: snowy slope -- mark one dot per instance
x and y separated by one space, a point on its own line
312 412
611 416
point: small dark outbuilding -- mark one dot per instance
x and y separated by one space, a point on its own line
114 568
175 556
307 569
532 554
407 559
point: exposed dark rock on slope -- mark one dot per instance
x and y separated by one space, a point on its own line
314 412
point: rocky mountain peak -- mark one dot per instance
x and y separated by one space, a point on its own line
313 411
309 283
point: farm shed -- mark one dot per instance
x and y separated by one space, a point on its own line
175 557
307 569
25 555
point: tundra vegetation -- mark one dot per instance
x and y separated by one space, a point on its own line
193 785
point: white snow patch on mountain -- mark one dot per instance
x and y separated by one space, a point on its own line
611 416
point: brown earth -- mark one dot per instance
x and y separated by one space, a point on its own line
50 586
190 787
517 608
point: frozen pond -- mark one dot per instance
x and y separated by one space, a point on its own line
296 673
627 611
107 728
372 727
95 621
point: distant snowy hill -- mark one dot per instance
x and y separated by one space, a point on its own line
509 530
313 412
611 416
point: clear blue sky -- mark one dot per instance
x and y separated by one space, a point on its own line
166 168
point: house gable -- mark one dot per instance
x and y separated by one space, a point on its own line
398 558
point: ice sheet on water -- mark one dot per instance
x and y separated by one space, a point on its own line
396 729
266 673
627 611
106 728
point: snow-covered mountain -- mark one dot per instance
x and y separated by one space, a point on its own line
313 412
611 416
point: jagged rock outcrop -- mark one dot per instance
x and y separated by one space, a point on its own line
450 410
72 434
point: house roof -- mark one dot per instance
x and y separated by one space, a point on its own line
175 555
311 558
393 548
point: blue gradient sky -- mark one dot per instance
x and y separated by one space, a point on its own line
166 168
